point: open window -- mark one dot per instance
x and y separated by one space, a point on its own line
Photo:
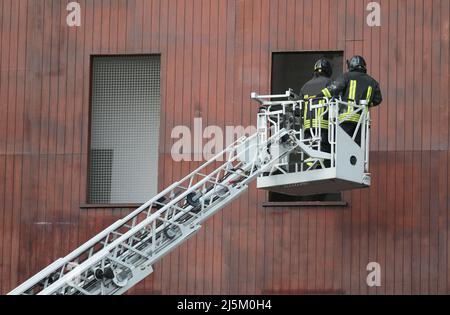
293 70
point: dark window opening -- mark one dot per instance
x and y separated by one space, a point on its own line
277 197
293 70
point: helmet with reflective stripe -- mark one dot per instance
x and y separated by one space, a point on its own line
323 66
357 63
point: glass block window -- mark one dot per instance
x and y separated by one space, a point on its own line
125 114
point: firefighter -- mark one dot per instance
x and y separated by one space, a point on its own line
354 86
321 79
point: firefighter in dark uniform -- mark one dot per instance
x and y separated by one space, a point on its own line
321 79
354 86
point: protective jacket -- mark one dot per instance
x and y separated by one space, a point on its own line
309 91
353 86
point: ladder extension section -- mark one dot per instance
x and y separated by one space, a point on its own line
123 254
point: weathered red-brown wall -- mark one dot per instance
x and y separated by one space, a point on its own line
214 53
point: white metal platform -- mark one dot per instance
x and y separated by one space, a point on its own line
345 167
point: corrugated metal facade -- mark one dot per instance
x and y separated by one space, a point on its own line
214 53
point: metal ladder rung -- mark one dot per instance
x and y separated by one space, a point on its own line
239 174
78 288
131 238
137 251
159 204
175 207
170 222
120 262
217 183
185 212
117 233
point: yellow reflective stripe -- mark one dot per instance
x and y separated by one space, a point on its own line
351 99
369 94
316 121
351 96
347 117
368 98
352 93
326 92
317 113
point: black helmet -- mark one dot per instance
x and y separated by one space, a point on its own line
324 66
356 63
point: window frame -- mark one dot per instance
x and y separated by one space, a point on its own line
299 204
87 204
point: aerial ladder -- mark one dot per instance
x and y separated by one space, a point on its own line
124 253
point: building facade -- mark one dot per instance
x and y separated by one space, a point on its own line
213 54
